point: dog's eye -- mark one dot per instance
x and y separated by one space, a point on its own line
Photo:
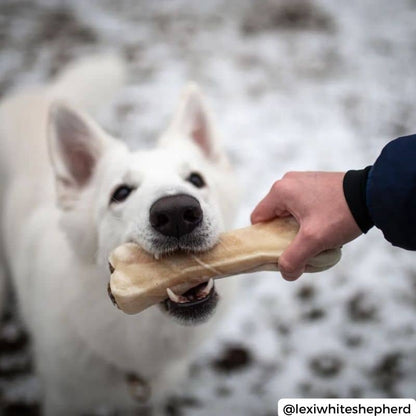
121 193
196 179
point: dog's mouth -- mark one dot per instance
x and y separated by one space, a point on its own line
195 306
194 296
198 304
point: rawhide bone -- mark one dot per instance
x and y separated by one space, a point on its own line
138 280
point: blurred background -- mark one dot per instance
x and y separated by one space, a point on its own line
294 85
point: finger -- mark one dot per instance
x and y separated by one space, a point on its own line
293 261
269 207
291 277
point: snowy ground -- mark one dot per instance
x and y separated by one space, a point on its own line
295 85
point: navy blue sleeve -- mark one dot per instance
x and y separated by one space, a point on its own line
385 194
391 192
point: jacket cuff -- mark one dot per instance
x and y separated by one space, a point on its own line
355 186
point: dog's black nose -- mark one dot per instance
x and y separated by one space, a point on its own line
175 215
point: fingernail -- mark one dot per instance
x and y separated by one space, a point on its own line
290 277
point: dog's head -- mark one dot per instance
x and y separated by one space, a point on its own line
178 196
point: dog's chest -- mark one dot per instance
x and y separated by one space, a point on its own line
142 343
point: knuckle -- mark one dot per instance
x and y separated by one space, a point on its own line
280 187
309 234
277 187
288 185
289 175
313 237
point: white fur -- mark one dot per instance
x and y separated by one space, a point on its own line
57 234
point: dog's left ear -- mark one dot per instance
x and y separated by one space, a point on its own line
75 145
192 120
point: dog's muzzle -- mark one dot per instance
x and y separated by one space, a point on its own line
176 219
175 215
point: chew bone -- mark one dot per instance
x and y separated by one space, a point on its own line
138 280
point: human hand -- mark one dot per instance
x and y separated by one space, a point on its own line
316 200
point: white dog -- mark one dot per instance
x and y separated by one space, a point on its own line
70 194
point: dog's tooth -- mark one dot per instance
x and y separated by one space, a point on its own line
174 297
206 290
156 256
209 285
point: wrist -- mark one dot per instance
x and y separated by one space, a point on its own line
355 186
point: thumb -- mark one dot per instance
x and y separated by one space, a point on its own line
269 207
293 261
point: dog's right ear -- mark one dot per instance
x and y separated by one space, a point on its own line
193 121
75 145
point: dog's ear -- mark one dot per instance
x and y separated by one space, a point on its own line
192 120
75 145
